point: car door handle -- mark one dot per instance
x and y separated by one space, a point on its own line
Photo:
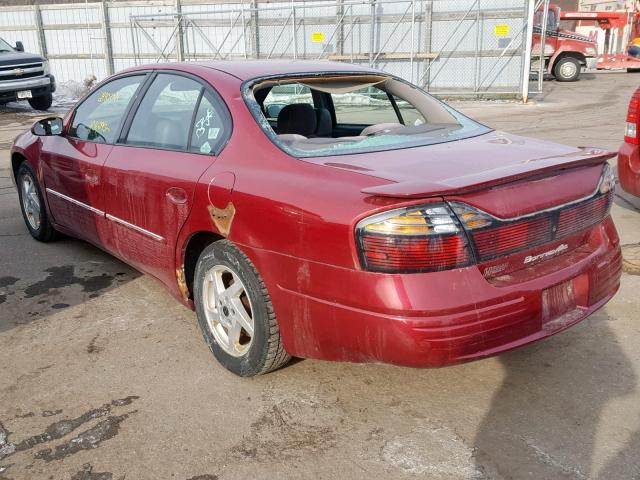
177 195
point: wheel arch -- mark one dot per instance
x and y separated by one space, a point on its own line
17 159
577 55
195 243
559 55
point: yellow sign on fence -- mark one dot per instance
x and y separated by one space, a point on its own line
317 37
501 30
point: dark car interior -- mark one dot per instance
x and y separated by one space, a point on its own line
317 121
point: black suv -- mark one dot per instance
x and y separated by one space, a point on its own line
25 76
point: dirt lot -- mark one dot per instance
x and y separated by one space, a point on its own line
104 376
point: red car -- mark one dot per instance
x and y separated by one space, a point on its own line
325 210
629 154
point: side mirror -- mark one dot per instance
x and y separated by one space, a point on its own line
19 47
48 127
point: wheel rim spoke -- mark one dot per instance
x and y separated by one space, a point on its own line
233 335
242 317
234 289
211 295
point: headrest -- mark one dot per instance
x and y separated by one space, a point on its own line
299 118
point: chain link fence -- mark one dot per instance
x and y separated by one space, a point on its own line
450 47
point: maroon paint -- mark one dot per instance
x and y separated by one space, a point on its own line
629 168
295 219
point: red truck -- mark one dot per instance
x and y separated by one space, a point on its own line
621 30
565 52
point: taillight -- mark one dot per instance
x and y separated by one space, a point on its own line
633 116
425 238
442 236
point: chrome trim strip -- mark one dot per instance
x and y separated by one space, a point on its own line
24 83
108 216
135 227
8 73
75 202
20 65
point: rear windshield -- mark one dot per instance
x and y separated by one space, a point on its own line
345 114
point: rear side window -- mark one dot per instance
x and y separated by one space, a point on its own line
99 118
210 126
410 114
366 106
164 117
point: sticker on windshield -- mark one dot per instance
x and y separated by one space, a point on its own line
213 133
205 148
109 97
99 126
203 123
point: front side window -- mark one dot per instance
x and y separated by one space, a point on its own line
165 115
99 118
5 47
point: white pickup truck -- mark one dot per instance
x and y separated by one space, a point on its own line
25 76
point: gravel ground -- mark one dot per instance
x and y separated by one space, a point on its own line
104 376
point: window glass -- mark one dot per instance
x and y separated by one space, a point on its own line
410 115
366 112
209 128
5 47
99 118
366 106
164 116
282 95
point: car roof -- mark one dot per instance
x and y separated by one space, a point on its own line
251 69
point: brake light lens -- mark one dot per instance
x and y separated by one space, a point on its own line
633 116
425 238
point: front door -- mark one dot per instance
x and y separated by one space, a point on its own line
72 163
150 178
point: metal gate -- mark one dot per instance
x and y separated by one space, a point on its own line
447 46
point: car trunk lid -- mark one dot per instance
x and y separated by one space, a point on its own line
542 199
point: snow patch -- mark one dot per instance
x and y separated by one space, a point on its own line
436 451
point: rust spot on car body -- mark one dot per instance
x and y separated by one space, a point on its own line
182 283
222 218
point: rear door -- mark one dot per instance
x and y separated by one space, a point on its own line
172 136
72 163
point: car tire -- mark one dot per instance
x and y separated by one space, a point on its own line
237 320
32 205
633 70
567 69
42 102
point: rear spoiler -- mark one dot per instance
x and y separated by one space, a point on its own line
490 178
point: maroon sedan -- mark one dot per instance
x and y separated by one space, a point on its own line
325 210
629 155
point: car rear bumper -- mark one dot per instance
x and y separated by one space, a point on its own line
629 168
434 319
38 86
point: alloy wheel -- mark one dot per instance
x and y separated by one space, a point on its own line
228 310
30 201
